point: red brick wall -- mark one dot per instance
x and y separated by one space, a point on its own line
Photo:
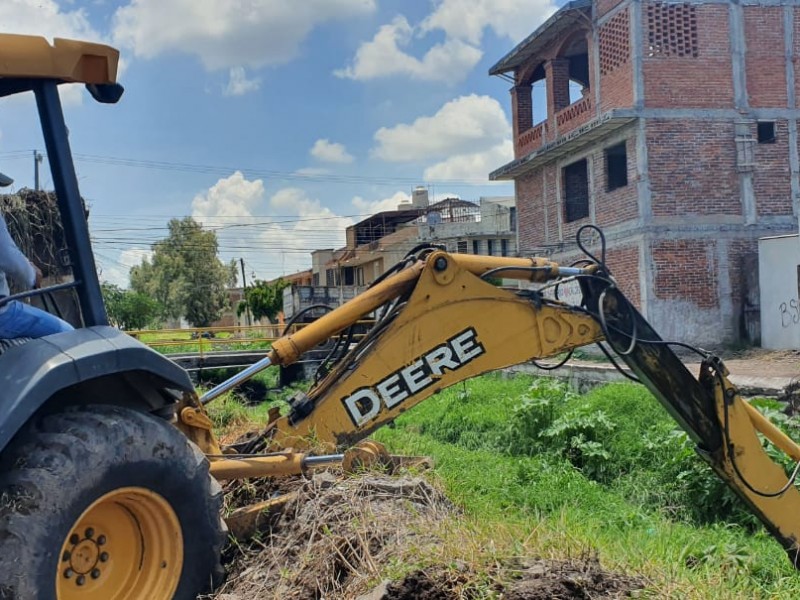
605 6
623 262
616 88
772 176
575 115
704 81
765 58
521 111
692 168
686 270
530 211
616 66
551 197
530 140
621 204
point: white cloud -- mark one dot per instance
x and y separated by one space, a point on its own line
234 196
474 166
449 61
332 152
117 271
239 84
467 19
45 18
228 33
274 235
465 125
367 207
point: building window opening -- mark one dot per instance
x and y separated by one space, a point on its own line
476 246
504 247
461 247
348 276
490 247
576 190
766 132
616 166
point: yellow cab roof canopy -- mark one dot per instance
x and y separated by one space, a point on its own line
30 63
25 59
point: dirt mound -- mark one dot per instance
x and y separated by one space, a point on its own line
568 580
341 535
334 538
582 579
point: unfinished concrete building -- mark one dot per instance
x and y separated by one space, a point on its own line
672 126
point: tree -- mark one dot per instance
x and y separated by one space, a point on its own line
263 299
185 275
127 309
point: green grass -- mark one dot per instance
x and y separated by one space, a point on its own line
606 471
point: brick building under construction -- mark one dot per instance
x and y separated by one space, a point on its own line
672 126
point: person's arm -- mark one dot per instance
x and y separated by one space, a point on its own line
13 262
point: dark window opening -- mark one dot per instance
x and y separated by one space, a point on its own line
616 167
766 132
504 247
315 280
512 218
461 247
476 247
490 247
348 276
576 191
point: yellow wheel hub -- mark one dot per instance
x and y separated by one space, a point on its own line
126 546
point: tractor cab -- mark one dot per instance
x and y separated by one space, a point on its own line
95 358
124 503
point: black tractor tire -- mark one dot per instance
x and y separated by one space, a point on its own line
64 463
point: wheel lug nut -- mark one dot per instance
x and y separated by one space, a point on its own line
81 579
74 539
95 573
66 556
103 556
101 540
68 573
89 533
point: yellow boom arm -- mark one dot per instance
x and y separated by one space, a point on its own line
441 322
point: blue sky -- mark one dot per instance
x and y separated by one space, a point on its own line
275 122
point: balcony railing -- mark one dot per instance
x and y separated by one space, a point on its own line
574 115
531 139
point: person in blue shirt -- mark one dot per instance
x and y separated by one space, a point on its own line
18 319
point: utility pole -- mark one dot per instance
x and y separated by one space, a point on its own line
37 160
244 293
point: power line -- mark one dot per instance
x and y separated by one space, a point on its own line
162 165
262 173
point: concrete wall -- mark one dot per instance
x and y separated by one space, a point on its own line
778 260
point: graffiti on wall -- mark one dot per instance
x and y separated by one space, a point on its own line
790 312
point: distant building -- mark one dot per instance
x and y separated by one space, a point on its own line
673 126
490 230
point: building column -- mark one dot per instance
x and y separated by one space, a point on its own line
521 109
557 73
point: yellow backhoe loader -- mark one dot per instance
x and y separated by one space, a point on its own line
109 468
